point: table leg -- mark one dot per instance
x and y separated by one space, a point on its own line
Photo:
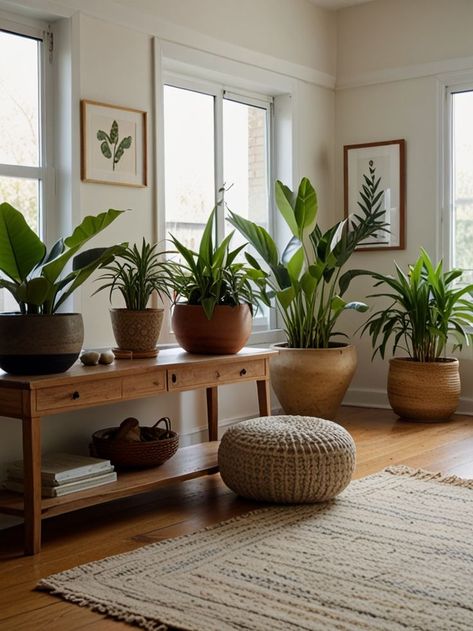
32 483
264 397
212 412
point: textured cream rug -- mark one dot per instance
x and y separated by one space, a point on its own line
393 552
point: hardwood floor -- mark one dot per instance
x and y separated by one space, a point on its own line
121 526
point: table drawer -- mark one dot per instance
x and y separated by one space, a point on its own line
188 377
146 384
77 395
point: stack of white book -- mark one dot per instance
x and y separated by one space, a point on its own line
63 473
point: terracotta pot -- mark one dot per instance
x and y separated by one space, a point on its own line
225 333
312 381
137 331
39 344
424 391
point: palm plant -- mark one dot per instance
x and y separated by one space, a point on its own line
306 279
427 306
135 274
212 276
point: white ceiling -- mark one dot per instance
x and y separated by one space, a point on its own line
337 4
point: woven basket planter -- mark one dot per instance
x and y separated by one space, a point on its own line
424 391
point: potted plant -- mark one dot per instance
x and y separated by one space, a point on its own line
135 274
312 371
214 295
426 307
38 339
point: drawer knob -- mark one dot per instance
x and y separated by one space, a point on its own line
173 378
75 395
242 372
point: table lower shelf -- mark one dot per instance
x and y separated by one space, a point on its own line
188 462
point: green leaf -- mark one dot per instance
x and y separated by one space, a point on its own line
33 292
105 148
101 135
124 144
89 227
286 296
20 247
257 236
308 284
284 202
306 207
206 242
114 132
361 307
77 277
294 266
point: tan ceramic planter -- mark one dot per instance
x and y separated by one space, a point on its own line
424 391
312 381
137 331
225 333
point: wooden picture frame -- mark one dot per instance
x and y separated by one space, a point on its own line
384 161
113 144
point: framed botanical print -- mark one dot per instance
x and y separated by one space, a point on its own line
113 144
374 179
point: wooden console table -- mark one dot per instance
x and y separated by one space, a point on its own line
30 398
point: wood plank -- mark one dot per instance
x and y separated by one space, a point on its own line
188 462
168 359
178 509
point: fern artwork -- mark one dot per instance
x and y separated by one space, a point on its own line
111 146
372 199
374 186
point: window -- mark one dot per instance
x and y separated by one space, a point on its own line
461 181
22 156
215 140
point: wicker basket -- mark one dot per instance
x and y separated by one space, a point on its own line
157 446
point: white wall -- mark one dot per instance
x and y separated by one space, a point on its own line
391 54
113 63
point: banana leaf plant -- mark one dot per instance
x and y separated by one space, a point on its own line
35 275
427 306
306 278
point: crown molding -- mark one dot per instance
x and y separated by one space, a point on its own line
115 13
404 73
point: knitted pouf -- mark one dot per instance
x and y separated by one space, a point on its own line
287 459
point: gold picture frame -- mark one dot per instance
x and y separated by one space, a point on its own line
113 144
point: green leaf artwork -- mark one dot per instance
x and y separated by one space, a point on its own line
372 200
110 146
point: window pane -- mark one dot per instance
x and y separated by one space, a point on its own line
463 182
246 160
19 100
245 154
189 162
23 194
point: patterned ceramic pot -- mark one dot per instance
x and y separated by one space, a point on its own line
137 331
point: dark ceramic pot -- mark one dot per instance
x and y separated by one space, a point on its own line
225 333
39 344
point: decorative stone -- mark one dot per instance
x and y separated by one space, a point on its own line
90 358
106 357
287 459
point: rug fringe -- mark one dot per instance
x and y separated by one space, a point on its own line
422 474
109 610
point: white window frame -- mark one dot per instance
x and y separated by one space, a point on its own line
262 329
179 60
44 172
